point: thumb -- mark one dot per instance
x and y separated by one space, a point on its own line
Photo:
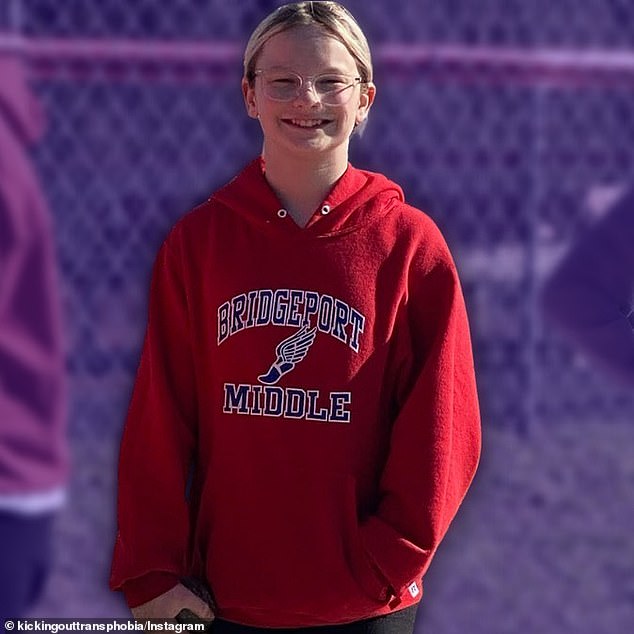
170 603
186 601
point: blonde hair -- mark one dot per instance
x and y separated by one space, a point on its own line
331 16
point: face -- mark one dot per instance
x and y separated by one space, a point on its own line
307 51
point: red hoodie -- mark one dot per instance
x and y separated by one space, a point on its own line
321 379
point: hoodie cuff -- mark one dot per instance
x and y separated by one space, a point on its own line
399 561
143 589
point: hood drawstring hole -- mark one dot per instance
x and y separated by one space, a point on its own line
282 213
325 210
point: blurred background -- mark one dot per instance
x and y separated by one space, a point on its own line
510 122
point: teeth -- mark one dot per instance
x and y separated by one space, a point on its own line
307 123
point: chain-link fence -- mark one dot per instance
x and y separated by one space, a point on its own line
568 23
502 166
503 152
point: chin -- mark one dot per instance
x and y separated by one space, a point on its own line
315 150
316 146
304 146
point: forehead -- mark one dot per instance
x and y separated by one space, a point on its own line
305 49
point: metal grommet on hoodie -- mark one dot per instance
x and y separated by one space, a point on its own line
325 210
282 213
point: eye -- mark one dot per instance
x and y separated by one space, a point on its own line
283 81
332 82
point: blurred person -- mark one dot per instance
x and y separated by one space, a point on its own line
33 452
308 352
589 297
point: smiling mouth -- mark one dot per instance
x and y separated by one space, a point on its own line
307 123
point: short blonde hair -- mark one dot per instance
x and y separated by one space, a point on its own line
331 16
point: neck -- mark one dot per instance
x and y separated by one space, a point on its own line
301 184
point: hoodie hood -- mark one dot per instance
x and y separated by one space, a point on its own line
357 198
18 104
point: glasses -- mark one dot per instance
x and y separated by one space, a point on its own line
333 89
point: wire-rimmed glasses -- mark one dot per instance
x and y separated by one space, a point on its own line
332 89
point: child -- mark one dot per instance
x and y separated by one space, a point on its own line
308 350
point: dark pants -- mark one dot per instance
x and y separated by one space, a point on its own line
25 559
401 622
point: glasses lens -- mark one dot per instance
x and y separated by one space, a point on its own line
334 89
281 86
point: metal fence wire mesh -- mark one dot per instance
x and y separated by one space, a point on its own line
504 168
600 23
503 155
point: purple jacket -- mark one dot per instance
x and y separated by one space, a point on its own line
590 296
33 452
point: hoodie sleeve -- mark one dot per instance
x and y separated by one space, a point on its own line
589 298
157 446
435 438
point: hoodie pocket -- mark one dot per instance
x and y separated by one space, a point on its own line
359 562
287 542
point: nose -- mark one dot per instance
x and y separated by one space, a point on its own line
308 93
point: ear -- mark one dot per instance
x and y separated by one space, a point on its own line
249 99
366 100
